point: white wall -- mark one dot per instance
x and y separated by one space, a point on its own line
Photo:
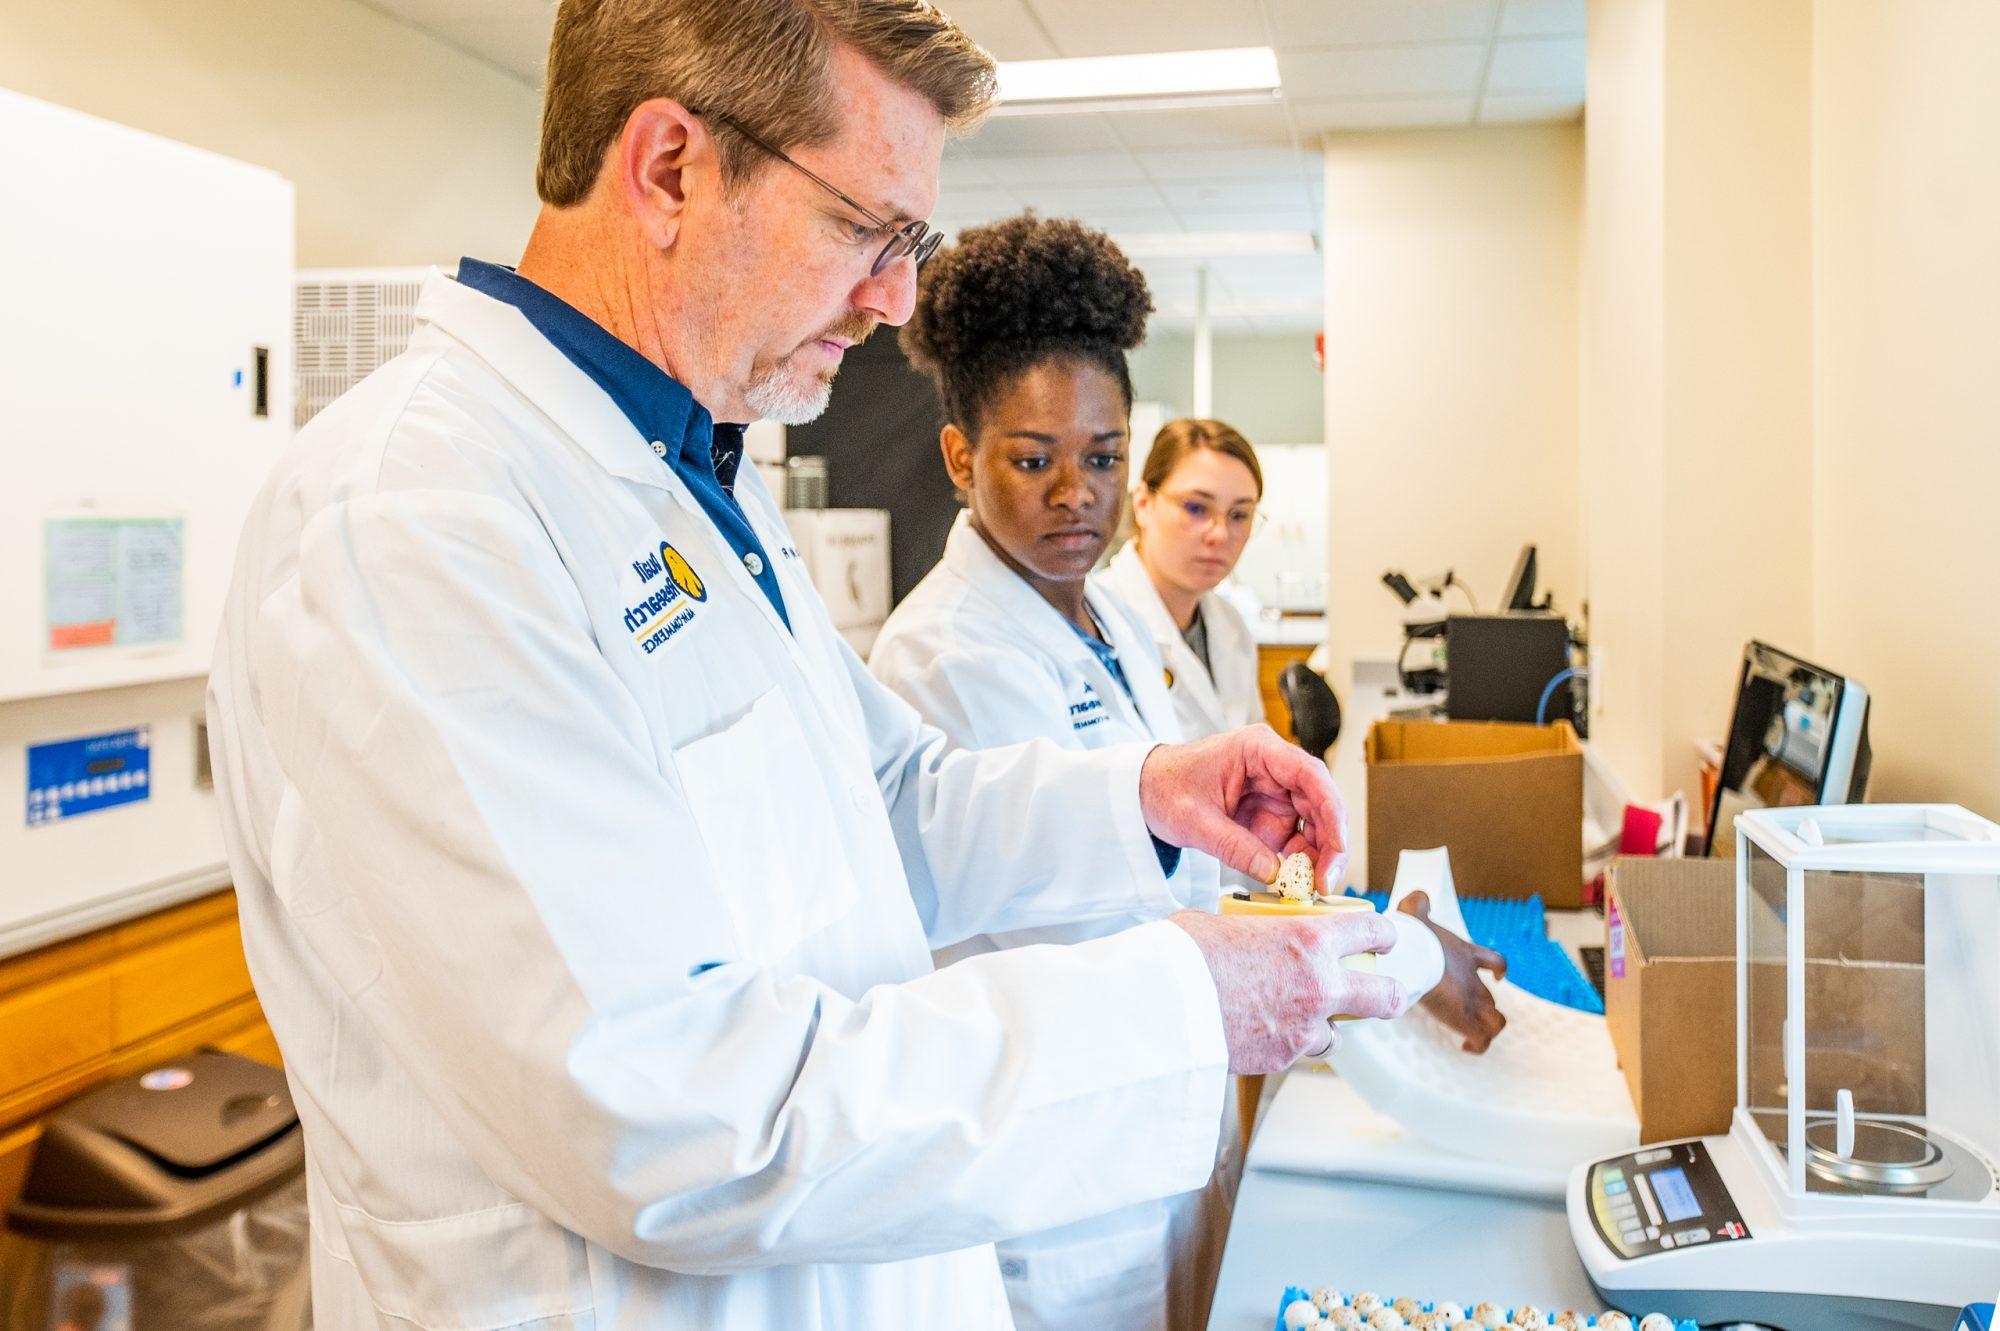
404 150
1791 411
1451 382
1697 436
1906 209
1266 384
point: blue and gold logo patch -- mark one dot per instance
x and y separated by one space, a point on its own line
671 591
682 573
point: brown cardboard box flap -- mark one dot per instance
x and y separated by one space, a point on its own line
1505 799
1466 741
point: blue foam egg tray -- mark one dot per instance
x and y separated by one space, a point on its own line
1514 927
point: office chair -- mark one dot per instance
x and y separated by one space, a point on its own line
1315 711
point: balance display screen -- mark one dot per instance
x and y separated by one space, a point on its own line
1677 1201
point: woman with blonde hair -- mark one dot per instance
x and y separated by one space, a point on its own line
1193 511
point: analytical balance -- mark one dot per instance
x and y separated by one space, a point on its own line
1856 1187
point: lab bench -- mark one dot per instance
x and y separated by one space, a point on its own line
1392 1239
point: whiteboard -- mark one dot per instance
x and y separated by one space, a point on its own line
136 277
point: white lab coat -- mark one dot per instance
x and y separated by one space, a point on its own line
1207 704
983 657
603 974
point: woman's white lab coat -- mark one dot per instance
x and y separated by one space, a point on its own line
1206 703
593 910
983 657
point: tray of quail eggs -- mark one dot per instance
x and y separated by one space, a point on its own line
1330 1310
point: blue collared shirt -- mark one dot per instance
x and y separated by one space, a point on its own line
706 456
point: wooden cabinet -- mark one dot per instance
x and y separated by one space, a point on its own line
77 1013
1271 662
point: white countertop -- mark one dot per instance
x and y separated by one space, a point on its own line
1393 1240
1291 631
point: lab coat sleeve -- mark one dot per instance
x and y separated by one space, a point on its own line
986 696
479 842
991 838
1417 959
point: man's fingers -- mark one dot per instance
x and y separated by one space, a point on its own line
1376 996
1304 779
1351 932
1238 848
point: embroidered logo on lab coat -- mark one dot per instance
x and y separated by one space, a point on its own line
1088 712
672 591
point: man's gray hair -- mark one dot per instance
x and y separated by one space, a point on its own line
761 63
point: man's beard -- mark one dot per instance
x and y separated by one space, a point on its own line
780 393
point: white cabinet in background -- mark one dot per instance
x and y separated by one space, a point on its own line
846 553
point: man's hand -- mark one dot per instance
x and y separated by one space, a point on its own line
1280 980
1249 799
1461 999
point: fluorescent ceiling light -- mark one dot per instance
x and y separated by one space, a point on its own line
1138 82
1215 244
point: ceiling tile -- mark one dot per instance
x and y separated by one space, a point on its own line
1084 201
1301 216
1383 71
1254 162
1105 168
1008 136
1378 22
1384 113
1542 18
1537 64
1156 25
965 207
1529 107
1248 195
1205 127
1138 222
1004 27
959 171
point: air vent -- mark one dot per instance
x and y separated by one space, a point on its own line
345 323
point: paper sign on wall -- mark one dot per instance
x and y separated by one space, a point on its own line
67 777
112 582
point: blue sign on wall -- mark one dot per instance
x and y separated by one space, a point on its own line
67 777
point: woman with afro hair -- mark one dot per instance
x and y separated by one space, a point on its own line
1024 325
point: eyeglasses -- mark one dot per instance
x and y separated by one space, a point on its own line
1198 514
915 240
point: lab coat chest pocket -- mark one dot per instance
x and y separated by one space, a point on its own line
760 803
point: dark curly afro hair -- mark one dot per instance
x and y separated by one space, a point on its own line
1017 293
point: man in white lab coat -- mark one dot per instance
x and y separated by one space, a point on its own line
588 881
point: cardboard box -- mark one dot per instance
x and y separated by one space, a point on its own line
1670 991
1670 994
1505 799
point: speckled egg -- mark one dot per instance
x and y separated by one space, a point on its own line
1385 1319
1346 1319
1300 1315
1656 1322
1452 1313
1366 1304
1326 1298
1489 1316
1529 1318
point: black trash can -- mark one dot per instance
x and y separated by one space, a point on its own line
172 1200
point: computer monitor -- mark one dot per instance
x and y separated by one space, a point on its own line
1520 591
1799 735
